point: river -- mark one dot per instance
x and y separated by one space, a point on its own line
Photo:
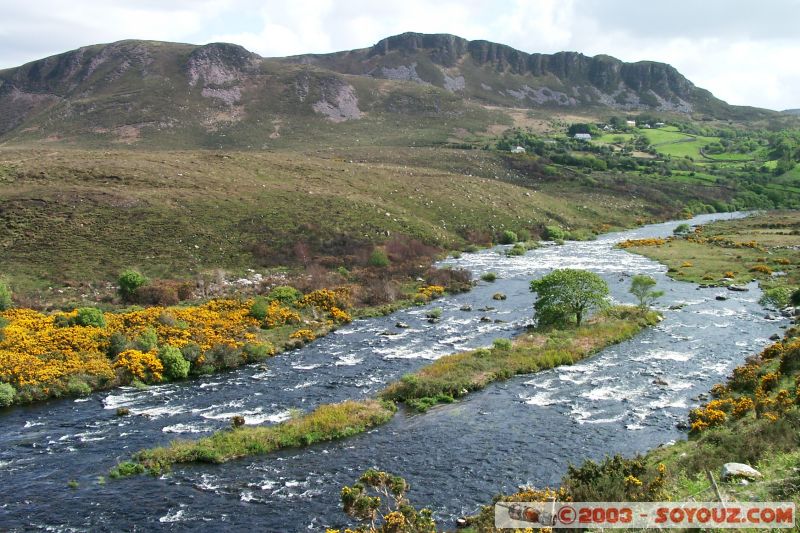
522 431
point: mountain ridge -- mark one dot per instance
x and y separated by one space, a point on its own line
220 94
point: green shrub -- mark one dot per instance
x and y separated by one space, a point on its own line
489 276
285 295
258 351
378 258
554 233
5 296
147 340
78 387
503 345
516 250
191 351
7 394
90 316
129 281
425 403
126 469
682 229
434 313
117 343
523 235
224 356
259 308
794 299
776 297
175 366
508 237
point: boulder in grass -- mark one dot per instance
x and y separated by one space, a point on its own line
734 471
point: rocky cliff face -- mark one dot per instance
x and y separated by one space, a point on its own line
130 91
501 74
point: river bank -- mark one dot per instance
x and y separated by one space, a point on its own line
751 417
523 431
449 377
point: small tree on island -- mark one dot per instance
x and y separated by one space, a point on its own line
567 293
642 289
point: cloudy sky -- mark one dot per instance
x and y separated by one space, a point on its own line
746 52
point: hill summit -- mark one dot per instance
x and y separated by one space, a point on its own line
221 95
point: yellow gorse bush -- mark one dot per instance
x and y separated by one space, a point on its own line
144 366
327 299
278 315
642 242
35 351
305 335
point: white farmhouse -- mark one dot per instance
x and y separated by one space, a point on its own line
583 136
518 150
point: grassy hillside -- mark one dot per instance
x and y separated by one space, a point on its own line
73 216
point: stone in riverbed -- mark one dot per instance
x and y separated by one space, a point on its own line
401 325
721 297
737 288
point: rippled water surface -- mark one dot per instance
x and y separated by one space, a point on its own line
523 431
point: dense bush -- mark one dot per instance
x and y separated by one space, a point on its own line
191 351
616 479
117 343
90 316
147 340
502 345
175 366
129 282
489 277
259 308
285 295
516 250
777 297
682 229
554 233
378 258
161 292
257 351
7 394
5 296
508 237
78 387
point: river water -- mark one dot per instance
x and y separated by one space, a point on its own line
523 431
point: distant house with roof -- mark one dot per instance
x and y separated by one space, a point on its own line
630 123
583 136
518 150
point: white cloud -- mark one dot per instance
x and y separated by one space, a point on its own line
743 53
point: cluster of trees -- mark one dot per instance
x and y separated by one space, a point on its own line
567 296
